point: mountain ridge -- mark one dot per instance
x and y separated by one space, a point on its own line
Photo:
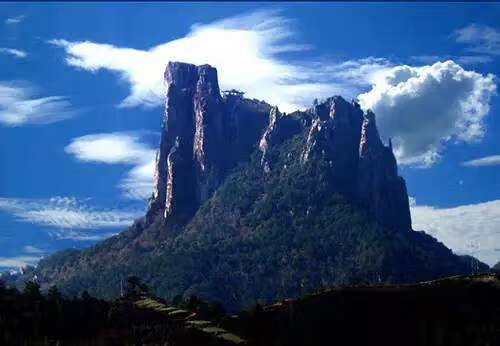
252 204
198 147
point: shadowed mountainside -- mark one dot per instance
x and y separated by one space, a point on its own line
251 204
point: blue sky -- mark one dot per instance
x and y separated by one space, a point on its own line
81 93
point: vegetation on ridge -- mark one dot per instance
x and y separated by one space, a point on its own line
261 237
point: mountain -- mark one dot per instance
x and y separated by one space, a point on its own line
205 135
253 204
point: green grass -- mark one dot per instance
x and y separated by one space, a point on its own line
150 304
214 330
177 312
199 323
231 337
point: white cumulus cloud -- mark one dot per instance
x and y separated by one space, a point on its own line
248 52
119 147
468 229
422 108
492 160
19 106
14 52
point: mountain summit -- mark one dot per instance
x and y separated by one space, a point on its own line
253 204
204 135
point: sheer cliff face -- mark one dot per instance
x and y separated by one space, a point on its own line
361 167
198 142
334 137
205 135
380 190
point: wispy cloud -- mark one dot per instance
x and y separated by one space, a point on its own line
480 38
14 52
15 20
32 249
460 59
477 37
423 108
427 59
79 235
473 59
68 213
18 261
493 160
468 229
115 148
138 184
29 257
248 52
19 106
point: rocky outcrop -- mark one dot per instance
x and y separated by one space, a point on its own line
380 190
280 128
183 158
196 147
205 135
334 136
362 167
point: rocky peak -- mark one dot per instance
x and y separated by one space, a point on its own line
380 190
180 75
280 128
334 136
205 135
370 142
362 167
187 164
268 137
197 146
207 80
